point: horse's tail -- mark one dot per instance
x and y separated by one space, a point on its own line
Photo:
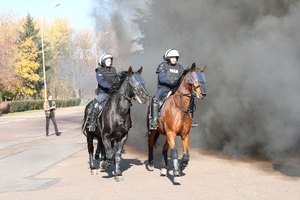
85 117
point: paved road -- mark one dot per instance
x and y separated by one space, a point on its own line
37 167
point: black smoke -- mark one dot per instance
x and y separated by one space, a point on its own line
251 49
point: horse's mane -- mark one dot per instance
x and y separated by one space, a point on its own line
118 80
180 80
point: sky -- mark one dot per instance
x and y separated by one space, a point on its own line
78 12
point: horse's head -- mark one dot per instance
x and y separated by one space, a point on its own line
137 85
198 81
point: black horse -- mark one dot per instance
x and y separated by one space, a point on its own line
114 122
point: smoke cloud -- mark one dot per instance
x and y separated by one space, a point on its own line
251 49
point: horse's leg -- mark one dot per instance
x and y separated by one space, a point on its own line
118 173
150 150
164 163
97 154
108 149
186 156
90 146
101 150
174 155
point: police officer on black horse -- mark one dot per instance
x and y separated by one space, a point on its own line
168 72
106 75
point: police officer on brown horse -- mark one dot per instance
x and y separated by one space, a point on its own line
106 75
168 72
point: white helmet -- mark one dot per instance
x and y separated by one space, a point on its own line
171 53
104 57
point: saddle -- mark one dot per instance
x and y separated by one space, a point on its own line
161 102
100 105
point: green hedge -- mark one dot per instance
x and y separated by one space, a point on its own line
20 106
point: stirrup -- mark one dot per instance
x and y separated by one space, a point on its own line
92 127
153 125
194 124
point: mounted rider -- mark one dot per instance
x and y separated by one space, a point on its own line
168 72
106 75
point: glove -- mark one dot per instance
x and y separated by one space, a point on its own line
112 89
173 84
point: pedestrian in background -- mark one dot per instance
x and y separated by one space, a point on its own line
49 108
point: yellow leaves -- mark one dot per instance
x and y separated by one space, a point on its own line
7 53
59 35
27 66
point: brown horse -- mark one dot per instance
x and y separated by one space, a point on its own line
175 120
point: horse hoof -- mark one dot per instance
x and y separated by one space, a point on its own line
181 168
94 172
119 178
107 163
151 166
102 166
177 179
163 172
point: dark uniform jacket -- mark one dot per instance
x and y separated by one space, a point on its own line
168 74
105 77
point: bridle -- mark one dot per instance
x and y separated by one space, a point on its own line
185 112
126 94
189 95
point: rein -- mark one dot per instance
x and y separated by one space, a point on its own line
125 95
182 95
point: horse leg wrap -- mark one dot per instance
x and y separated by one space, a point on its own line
184 161
109 155
174 157
174 154
165 159
91 161
118 160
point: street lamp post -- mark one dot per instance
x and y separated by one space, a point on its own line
43 53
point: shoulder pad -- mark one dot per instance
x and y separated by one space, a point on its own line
98 69
160 68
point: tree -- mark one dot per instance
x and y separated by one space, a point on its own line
29 30
26 68
8 80
84 60
59 36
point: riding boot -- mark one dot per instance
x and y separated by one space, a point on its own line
191 111
94 114
154 113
